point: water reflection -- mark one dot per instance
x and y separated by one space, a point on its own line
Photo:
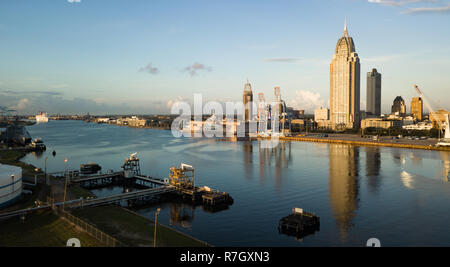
373 166
407 180
343 184
279 157
446 165
181 214
247 158
399 157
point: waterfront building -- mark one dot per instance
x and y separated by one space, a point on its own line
321 114
345 84
423 126
439 118
373 97
380 123
399 107
247 101
417 108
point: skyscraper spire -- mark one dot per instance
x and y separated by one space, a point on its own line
345 28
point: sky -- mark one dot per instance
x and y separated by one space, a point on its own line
118 56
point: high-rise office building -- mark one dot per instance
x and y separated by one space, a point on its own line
417 108
247 101
373 93
399 106
345 84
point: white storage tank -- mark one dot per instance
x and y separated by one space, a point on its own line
10 184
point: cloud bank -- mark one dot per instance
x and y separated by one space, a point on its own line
307 100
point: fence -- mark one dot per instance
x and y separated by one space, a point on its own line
106 239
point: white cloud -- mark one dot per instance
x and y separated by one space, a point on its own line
171 102
282 59
418 10
307 100
23 104
400 2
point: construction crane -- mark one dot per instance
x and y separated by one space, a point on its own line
282 111
425 100
262 114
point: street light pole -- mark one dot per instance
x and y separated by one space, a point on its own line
156 223
45 170
65 186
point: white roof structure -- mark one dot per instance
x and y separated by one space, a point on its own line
5 174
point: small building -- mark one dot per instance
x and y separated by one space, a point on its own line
321 114
380 123
423 126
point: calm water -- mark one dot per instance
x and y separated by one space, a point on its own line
400 196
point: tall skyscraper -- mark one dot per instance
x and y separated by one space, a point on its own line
373 93
417 108
247 101
399 106
345 84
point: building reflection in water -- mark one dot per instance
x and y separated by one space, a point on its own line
279 157
181 214
271 159
399 158
446 165
373 166
343 184
247 148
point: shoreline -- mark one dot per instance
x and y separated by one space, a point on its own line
362 143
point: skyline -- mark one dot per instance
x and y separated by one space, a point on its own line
91 57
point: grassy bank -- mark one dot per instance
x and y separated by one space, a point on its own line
43 229
133 229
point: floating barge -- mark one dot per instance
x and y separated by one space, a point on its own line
299 223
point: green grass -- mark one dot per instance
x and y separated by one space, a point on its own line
77 192
132 229
41 230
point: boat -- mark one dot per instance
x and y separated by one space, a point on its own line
90 168
42 118
446 141
38 144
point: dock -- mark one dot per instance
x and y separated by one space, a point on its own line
299 223
180 185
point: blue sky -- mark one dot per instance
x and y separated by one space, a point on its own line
120 56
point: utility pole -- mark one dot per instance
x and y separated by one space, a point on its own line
156 223
65 186
45 170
